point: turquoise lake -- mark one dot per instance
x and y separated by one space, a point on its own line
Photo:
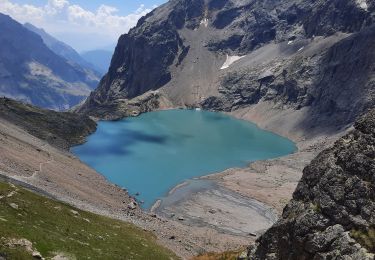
154 152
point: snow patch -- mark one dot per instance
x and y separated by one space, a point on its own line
290 42
204 22
362 4
230 60
121 69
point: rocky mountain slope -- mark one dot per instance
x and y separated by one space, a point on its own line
59 129
31 72
63 50
331 215
309 56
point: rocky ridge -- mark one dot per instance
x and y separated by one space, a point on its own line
60 129
331 215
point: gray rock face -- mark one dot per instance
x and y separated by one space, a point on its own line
332 213
298 54
31 72
336 83
253 23
148 49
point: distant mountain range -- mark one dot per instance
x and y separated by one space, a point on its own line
101 59
62 49
31 71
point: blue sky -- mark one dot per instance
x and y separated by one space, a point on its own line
125 6
85 25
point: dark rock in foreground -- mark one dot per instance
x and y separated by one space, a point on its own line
332 213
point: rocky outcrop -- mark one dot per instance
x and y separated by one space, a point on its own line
331 215
121 108
60 129
31 72
250 24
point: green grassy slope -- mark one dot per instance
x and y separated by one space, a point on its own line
55 228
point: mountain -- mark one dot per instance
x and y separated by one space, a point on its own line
63 49
100 58
331 215
311 57
31 72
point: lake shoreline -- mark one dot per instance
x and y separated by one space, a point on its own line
271 191
153 153
67 179
271 182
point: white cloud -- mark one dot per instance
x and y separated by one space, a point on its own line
83 29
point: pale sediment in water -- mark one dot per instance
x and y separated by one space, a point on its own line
177 187
155 206
203 203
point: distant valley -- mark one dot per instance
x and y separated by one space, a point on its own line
38 69
101 59
62 49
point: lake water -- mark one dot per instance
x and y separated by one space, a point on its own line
154 152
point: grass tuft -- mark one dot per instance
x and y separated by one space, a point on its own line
365 237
